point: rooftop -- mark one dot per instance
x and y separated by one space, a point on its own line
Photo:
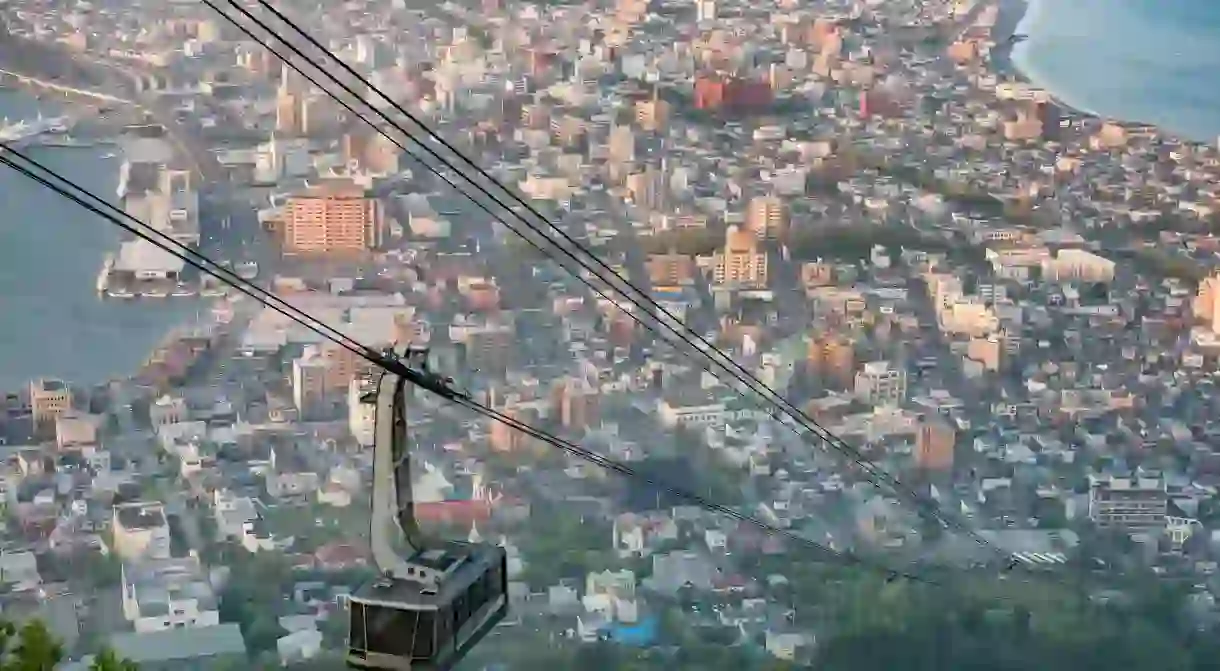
143 256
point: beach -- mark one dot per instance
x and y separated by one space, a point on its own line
1145 61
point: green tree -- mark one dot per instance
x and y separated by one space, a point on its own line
36 650
107 660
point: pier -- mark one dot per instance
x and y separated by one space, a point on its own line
87 77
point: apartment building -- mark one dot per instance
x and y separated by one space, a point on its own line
332 218
141 531
1132 504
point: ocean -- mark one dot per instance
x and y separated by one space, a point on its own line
51 321
1150 61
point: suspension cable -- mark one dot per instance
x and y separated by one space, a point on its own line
633 294
55 182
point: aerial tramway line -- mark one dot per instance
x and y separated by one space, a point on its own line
434 600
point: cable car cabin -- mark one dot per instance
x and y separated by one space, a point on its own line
431 623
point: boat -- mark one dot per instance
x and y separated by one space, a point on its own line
124 176
109 154
103 277
154 293
25 130
182 291
247 270
120 293
213 292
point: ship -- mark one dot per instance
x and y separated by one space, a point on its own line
25 130
64 141
120 293
183 291
154 292
103 277
124 177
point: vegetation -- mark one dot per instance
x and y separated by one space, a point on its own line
842 243
256 593
33 647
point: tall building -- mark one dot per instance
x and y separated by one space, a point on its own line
935 444
576 402
652 114
361 416
736 94
49 400
309 388
287 112
705 10
767 217
741 261
833 358
670 270
879 383
333 217
504 438
1206 304
1130 504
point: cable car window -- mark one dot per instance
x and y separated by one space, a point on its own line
460 612
355 635
389 630
495 581
478 595
424 635
445 628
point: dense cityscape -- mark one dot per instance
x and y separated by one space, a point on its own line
1010 306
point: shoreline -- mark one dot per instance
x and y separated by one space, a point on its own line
1020 17
1008 21
62 308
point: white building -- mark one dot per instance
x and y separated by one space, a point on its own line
141 531
168 594
360 415
879 383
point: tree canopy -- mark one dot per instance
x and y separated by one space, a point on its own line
33 647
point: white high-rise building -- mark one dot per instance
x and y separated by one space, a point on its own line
360 415
879 383
706 10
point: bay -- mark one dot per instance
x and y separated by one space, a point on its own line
52 323
1150 61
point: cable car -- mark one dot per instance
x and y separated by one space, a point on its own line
434 602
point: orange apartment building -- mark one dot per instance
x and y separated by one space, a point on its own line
336 217
733 93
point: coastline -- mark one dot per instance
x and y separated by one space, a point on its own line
1008 23
1015 18
52 250
1068 64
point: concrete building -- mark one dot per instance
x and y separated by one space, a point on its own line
1131 504
141 531
879 383
162 594
934 445
330 218
49 400
740 261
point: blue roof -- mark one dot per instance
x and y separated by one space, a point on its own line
643 633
